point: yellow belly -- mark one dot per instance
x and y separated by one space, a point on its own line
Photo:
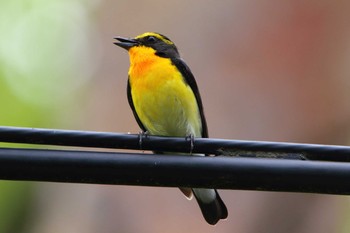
164 103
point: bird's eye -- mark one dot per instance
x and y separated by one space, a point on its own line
151 39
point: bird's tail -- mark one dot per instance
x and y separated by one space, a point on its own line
211 205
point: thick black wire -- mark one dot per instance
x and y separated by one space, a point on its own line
175 170
153 143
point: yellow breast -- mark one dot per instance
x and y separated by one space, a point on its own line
163 101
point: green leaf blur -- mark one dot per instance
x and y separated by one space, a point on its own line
44 62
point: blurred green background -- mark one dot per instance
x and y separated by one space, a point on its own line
266 70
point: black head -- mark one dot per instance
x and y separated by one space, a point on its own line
163 46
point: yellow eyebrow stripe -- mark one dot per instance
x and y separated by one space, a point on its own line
155 35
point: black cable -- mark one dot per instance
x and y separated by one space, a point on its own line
153 143
175 170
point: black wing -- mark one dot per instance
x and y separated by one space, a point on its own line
131 103
189 78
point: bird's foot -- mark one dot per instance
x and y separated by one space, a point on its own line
142 134
191 138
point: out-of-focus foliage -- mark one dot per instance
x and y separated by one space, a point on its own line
44 61
15 200
44 56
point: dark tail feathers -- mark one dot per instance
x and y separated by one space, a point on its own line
213 211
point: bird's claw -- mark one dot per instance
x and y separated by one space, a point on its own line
141 135
191 138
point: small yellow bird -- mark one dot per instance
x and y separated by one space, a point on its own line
165 100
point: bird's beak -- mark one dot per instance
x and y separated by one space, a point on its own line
126 43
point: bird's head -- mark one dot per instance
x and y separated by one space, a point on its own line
161 44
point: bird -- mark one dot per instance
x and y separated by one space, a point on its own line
165 100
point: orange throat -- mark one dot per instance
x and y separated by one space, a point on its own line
142 60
